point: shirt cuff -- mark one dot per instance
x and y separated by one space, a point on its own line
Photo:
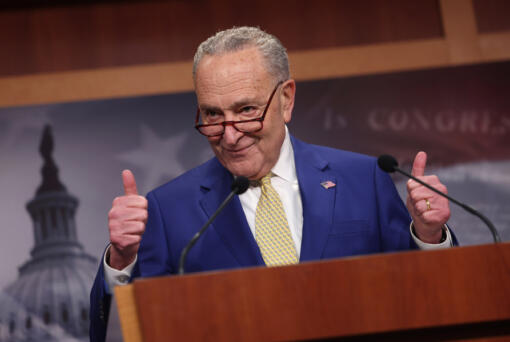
115 277
447 243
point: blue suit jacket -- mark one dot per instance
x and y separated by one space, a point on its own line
362 214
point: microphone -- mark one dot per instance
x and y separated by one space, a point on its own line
239 186
389 164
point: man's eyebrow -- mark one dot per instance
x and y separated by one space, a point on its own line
210 108
243 102
236 104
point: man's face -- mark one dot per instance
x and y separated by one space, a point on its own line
230 84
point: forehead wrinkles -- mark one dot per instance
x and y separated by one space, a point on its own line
233 74
224 92
242 96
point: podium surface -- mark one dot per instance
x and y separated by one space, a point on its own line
458 293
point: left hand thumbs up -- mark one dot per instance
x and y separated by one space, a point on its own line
429 210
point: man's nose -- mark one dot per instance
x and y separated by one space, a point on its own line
231 135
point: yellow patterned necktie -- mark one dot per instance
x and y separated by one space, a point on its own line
272 231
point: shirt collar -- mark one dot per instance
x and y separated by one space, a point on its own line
285 166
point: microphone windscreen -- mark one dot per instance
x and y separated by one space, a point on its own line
387 163
240 185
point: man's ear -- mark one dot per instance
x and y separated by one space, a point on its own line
287 99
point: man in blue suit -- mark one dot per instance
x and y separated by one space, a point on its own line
330 203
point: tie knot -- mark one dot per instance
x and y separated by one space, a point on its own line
266 180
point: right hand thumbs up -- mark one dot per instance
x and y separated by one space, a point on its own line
126 223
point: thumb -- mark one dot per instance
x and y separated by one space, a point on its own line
128 179
420 161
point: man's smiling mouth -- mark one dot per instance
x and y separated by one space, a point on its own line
238 151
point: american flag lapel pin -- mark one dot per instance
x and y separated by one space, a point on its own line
328 184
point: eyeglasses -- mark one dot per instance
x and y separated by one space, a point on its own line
245 126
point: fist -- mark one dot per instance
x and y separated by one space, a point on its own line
126 222
429 210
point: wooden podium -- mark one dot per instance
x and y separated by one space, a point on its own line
459 293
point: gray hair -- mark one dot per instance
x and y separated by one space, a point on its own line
238 38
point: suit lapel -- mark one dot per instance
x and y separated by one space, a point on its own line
318 208
318 202
231 223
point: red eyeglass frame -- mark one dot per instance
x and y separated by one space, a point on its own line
233 123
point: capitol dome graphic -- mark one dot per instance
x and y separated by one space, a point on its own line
50 299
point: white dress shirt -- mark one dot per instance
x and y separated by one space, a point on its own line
286 184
